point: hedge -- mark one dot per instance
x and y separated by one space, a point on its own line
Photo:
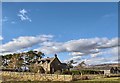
77 72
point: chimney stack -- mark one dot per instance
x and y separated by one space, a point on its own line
56 55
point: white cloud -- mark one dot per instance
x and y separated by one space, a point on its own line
92 47
96 48
23 15
102 60
1 38
110 43
5 19
76 54
107 56
109 15
13 22
75 58
23 11
113 51
80 46
51 47
24 42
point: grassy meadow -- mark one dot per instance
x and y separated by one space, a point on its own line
7 79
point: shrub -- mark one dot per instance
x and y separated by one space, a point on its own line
78 72
67 72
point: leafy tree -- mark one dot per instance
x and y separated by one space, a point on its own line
81 64
32 54
16 60
70 63
40 54
8 56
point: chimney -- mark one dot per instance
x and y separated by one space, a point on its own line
55 55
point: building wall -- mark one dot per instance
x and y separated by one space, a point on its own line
45 66
52 66
106 72
55 65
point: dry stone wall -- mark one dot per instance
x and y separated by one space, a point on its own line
37 77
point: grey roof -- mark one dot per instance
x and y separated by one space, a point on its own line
47 59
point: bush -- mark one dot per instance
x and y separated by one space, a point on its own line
78 72
67 72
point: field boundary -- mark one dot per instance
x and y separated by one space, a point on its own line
25 76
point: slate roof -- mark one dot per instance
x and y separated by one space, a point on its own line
47 59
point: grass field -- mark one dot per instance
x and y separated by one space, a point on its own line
64 82
95 79
101 80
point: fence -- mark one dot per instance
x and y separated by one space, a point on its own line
25 76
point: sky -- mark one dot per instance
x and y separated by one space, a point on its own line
79 31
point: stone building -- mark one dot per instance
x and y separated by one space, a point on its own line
51 65
110 70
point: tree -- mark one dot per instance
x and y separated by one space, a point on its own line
70 63
82 64
17 60
35 53
8 56
31 54
40 54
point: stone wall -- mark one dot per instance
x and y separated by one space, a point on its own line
37 77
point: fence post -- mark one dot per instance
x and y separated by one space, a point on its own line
81 74
10 74
57 76
51 76
72 77
34 76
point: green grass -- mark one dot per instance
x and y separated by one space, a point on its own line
101 80
97 79
107 79
63 82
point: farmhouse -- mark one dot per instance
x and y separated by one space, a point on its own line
51 64
110 70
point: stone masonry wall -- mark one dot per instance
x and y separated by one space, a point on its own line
37 77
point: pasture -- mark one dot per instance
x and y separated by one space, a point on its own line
7 78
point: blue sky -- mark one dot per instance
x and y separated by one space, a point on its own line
64 21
